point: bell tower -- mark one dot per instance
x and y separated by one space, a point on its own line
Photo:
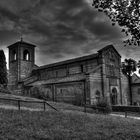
21 62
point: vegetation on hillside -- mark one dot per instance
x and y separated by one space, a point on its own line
129 66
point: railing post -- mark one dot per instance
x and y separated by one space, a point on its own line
85 109
44 103
18 104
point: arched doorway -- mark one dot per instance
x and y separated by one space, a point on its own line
114 96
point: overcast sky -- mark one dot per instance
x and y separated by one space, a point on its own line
61 29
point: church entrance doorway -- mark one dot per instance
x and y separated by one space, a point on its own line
114 96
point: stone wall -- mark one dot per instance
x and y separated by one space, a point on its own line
136 94
125 90
95 85
13 74
67 83
70 93
25 69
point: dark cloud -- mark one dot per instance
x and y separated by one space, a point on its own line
60 28
7 37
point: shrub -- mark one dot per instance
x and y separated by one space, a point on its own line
104 105
4 89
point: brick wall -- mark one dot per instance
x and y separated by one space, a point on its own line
136 94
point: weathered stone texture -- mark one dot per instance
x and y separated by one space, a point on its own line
19 67
25 69
95 86
82 80
136 94
13 73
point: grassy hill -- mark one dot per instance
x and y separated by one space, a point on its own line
39 106
69 123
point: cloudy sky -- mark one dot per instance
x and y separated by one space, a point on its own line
61 29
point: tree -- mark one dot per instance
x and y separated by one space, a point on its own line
124 12
3 69
129 66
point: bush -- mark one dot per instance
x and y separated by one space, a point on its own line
103 103
4 89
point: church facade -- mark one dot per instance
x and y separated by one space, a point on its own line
82 80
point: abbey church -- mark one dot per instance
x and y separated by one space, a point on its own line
82 80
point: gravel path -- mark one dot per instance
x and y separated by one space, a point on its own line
123 116
22 108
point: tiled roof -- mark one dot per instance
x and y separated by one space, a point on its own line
92 56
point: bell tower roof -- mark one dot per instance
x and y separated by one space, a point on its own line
21 42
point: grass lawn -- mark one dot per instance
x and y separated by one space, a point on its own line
68 125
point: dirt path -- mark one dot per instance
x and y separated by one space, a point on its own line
22 108
123 116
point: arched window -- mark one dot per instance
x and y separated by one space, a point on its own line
14 55
26 55
114 96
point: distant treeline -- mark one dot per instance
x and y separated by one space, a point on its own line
3 69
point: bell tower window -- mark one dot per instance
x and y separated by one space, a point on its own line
14 55
26 55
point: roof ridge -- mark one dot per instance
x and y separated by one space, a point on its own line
107 47
70 60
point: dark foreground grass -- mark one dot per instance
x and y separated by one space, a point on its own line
51 125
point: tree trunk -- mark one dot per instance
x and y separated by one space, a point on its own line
130 90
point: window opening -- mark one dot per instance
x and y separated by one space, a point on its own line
26 55
14 55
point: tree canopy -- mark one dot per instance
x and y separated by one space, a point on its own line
3 69
124 12
129 66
